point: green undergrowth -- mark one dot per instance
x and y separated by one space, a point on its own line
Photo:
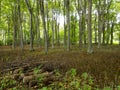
69 81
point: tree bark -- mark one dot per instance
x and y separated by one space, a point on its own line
31 24
64 11
95 29
44 25
89 27
68 23
20 25
112 28
52 25
38 23
99 24
14 17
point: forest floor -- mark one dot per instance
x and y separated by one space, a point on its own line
103 64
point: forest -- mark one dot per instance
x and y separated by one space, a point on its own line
60 44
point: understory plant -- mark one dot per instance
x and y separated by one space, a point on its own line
69 81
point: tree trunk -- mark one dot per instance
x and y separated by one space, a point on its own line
14 27
20 25
104 22
44 25
8 27
31 24
89 27
64 11
55 24
108 32
84 23
103 29
95 29
68 23
31 33
47 15
112 28
80 30
58 41
38 23
108 22
52 25
99 24
80 22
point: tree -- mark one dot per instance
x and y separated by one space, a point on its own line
53 24
68 23
64 13
28 3
44 25
99 24
89 27
14 19
20 25
38 22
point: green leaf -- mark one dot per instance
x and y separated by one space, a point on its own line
84 76
44 88
107 88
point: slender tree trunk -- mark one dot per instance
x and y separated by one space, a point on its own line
68 23
38 23
95 29
31 23
58 41
99 24
47 22
108 32
8 27
44 25
80 30
4 37
112 28
84 23
104 22
56 32
103 29
20 25
24 32
58 25
80 22
64 11
52 25
74 28
108 21
14 26
89 26
31 33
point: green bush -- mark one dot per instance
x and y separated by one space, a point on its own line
1 43
6 82
9 41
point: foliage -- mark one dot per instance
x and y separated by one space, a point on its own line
6 82
9 14
69 82
1 43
